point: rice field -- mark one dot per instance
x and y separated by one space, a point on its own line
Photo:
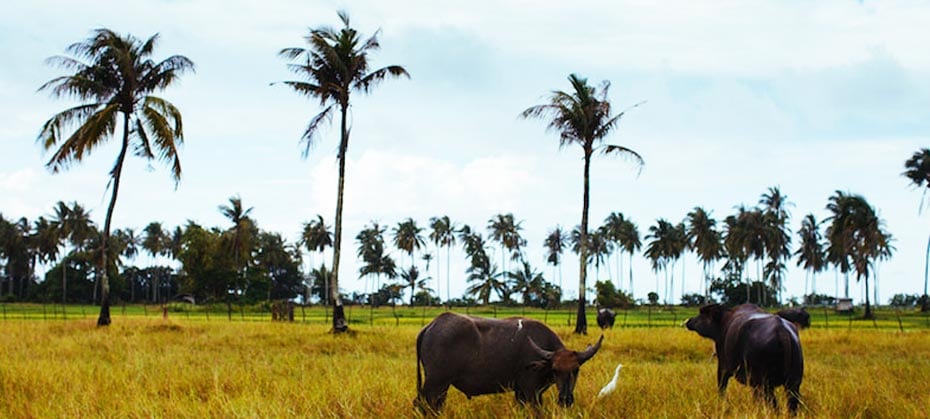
189 366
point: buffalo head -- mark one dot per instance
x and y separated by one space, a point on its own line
563 365
708 323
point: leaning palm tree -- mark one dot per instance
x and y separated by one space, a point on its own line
583 117
856 234
333 66
116 81
917 169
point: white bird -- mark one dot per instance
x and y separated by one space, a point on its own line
612 385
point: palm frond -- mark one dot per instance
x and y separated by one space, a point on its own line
310 133
97 126
625 153
372 79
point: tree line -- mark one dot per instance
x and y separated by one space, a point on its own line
242 263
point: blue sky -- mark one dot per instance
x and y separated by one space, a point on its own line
740 96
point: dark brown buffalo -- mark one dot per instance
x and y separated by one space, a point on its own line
485 356
798 316
606 318
760 349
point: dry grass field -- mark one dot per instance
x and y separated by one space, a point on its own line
190 367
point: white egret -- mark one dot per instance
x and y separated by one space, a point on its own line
612 385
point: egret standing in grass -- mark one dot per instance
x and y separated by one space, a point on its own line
612 385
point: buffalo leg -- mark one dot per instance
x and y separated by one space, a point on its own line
723 376
794 396
432 396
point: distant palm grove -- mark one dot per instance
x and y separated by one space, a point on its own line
745 255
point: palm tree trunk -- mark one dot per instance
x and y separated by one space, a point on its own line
448 264
104 319
868 307
581 321
339 318
64 280
927 267
631 274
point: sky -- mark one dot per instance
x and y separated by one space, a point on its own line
740 96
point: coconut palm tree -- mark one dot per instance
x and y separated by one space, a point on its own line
583 117
407 237
775 218
528 282
856 235
555 245
243 233
811 254
503 229
316 237
443 235
613 229
485 281
334 65
629 241
116 82
661 250
917 170
705 240
371 250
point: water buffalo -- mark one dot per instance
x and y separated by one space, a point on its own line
798 316
760 349
606 318
485 356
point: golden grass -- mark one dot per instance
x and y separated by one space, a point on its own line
147 367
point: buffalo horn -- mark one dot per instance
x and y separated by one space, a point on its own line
544 354
588 353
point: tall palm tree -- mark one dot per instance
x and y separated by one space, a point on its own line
243 233
661 249
630 242
555 245
443 235
117 81
46 238
316 237
407 237
703 237
156 243
334 65
811 254
917 170
613 230
856 235
583 117
371 250
775 218
503 229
